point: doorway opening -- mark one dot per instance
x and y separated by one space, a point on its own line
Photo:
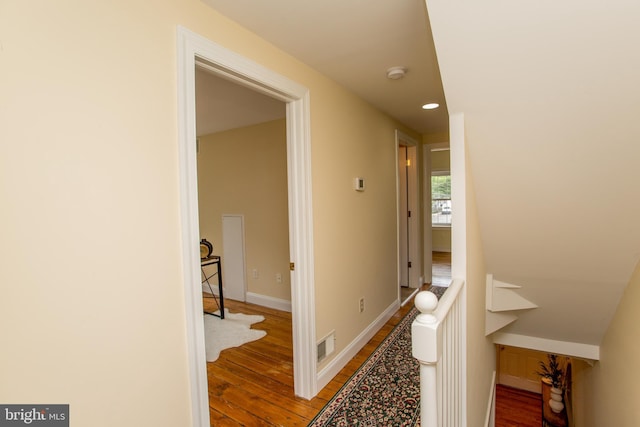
194 49
242 188
441 211
409 214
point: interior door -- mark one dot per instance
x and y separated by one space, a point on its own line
233 260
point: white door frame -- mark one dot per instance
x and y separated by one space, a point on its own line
402 139
192 48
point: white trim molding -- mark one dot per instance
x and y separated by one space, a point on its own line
192 50
270 302
459 231
588 352
332 369
490 419
501 296
501 300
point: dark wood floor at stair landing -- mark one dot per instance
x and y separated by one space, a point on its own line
517 408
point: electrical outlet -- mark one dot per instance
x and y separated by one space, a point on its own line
254 273
278 277
361 304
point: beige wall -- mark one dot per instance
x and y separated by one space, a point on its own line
440 160
244 171
92 311
481 356
441 239
435 138
354 232
608 393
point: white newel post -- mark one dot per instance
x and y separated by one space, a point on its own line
426 346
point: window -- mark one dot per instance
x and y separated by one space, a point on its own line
441 198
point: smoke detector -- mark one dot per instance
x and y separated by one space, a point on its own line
396 73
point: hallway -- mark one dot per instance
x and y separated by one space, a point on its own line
440 274
253 384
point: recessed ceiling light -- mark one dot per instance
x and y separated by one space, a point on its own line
430 106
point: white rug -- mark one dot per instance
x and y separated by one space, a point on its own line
232 331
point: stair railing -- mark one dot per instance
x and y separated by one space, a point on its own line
439 343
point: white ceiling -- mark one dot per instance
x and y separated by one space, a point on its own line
223 105
354 42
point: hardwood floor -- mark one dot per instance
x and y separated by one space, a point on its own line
441 270
517 408
252 385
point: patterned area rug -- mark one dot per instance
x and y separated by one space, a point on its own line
438 290
385 391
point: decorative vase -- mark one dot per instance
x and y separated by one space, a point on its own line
206 248
556 400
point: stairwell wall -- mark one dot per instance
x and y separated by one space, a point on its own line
468 262
608 394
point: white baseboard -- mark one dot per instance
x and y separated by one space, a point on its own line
327 373
415 291
267 301
214 288
442 249
521 383
263 300
490 418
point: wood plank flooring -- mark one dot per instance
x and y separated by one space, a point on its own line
441 271
252 385
517 408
